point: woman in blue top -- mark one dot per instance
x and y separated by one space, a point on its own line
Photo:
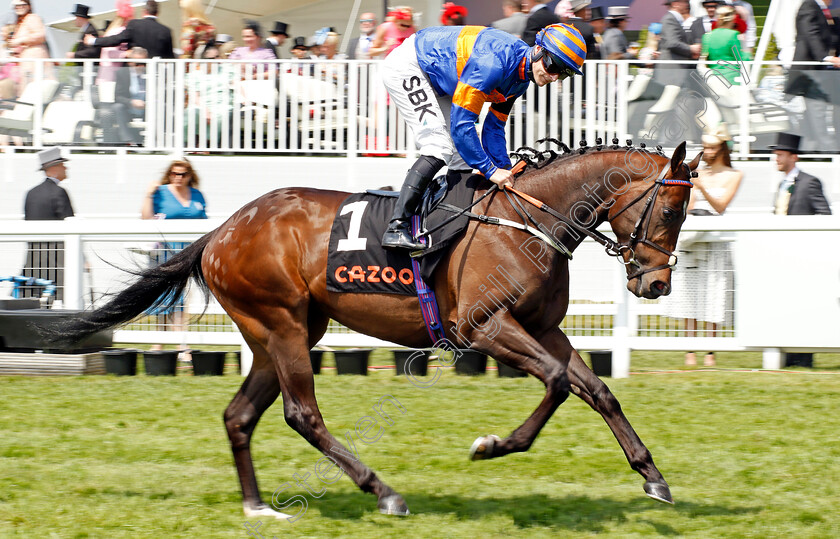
174 196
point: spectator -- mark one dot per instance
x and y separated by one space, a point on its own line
174 196
196 29
83 23
146 33
47 202
251 36
398 26
29 40
799 193
329 48
279 35
599 26
722 43
108 66
704 285
580 11
428 69
452 14
815 43
299 49
674 45
703 25
539 16
226 45
514 21
744 11
614 46
210 97
130 96
359 47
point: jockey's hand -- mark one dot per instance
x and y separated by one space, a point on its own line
503 178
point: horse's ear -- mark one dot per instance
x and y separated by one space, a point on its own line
678 157
695 162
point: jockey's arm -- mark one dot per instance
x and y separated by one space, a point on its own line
493 133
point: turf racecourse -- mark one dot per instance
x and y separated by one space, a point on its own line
747 454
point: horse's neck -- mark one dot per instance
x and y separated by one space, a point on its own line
584 187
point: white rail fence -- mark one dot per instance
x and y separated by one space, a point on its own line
341 107
783 291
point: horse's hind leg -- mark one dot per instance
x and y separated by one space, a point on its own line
257 393
291 354
590 388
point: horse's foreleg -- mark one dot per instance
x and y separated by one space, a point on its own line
515 347
257 393
590 388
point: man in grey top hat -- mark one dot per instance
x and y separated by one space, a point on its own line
614 45
47 201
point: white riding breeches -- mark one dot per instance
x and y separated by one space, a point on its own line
425 113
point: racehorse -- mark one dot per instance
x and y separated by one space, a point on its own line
266 266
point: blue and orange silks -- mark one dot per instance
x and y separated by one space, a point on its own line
475 65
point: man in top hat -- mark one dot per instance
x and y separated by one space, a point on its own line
147 33
799 193
80 50
599 24
47 201
614 45
299 48
703 25
580 8
279 34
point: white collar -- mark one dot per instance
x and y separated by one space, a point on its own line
677 15
790 177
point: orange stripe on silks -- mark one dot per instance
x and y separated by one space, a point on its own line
571 54
469 98
496 97
464 46
502 117
522 69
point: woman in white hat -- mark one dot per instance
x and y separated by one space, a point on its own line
704 285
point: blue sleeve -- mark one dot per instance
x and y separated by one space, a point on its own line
157 202
493 133
197 195
467 143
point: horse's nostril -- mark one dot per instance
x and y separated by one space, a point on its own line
660 288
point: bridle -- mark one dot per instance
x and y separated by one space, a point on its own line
612 248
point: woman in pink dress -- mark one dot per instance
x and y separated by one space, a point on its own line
398 27
29 41
107 68
252 37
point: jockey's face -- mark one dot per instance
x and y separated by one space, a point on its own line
541 76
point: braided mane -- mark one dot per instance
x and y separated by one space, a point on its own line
537 159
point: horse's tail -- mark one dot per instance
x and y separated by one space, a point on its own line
159 286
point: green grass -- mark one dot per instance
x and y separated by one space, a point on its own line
747 454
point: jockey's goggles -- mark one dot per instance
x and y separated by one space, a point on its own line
556 66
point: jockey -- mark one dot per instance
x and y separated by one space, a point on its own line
439 79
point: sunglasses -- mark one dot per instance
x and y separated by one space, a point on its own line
179 174
366 20
405 26
555 66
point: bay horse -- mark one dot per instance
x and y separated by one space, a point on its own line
266 266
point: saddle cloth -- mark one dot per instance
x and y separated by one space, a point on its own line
357 262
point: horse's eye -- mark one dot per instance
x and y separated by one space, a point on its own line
669 214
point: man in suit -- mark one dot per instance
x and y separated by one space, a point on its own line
47 201
539 16
703 25
83 22
815 43
279 34
675 44
147 33
359 46
614 45
799 193
514 21
579 21
130 96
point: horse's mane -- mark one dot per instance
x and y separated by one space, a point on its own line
537 159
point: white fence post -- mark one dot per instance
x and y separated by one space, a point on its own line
73 272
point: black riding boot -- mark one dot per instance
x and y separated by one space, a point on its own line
398 235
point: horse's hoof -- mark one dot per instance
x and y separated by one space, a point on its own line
482 447
659 492
263 510
393 505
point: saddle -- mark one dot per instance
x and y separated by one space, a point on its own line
357 262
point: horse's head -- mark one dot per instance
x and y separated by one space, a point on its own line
647 218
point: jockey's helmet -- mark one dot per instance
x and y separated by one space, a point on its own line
561 47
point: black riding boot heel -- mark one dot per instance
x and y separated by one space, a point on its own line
398 235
